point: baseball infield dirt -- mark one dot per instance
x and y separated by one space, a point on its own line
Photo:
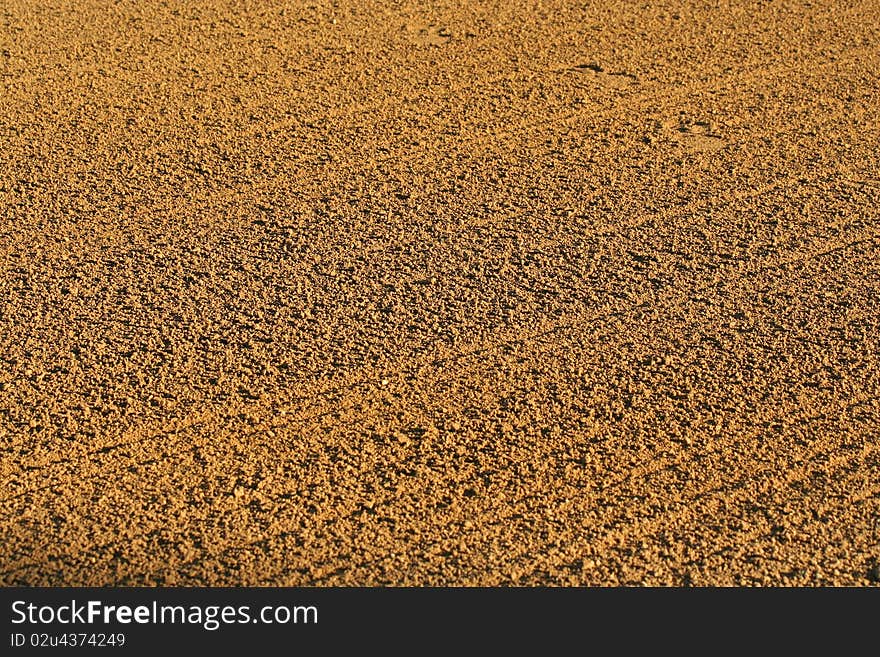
450 293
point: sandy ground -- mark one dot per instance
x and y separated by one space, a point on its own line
447 293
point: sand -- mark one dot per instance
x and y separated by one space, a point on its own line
448 293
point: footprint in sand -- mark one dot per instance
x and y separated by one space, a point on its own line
697 136
605 77
430 35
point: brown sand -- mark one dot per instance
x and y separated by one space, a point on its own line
372 292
